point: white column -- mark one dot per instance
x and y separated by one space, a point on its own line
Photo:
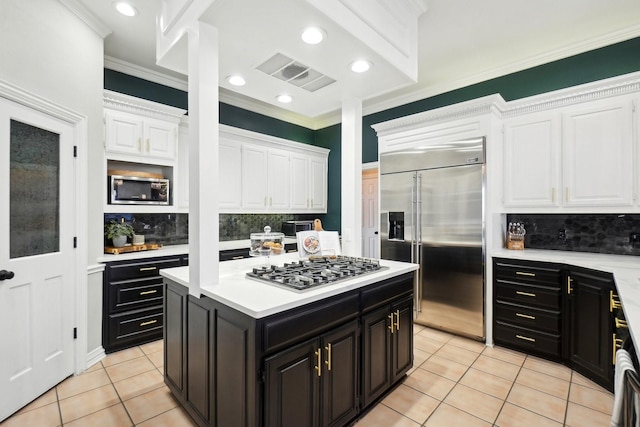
203 156
351 168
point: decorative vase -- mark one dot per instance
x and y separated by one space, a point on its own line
119 241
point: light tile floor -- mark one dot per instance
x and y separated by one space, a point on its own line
454 382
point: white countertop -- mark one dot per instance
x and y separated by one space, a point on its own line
258 299
172 250
625 269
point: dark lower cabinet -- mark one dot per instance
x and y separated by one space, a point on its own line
301 367
315 382
387 346
591 324
559 312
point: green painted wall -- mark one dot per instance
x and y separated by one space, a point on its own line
610 61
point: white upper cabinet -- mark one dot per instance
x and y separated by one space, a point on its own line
318 184
300 177
532 161
598 154
254 177
278 173
308 183
230 176
141 131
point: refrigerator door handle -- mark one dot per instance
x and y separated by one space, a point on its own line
417 242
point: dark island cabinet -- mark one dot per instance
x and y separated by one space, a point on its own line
300 367
591 324
388 347
132 301
315 382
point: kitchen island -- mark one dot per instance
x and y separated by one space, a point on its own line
248 353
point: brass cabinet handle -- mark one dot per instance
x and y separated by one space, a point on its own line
390 327
553 195
525 273
140 144
318 366
526 294
149 292
617 343
150 322
620 324
148 268
270 201
328 361
522 337
569 287
397 320
148 145
613 303
526 316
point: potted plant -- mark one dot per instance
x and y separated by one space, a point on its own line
118 232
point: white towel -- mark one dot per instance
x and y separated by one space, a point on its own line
623 363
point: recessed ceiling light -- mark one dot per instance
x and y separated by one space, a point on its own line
313 35
236 80
125 8
360 66
285 99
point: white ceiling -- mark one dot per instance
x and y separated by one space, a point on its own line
460 42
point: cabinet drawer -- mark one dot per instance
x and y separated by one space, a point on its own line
135 326
383 293
134 294
138 269
295 325
532 318
527 340
528 295
232 254
540 273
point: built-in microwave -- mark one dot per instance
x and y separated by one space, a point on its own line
134 190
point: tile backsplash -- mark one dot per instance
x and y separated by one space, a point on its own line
173 229
598 233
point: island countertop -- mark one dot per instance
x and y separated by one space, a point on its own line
258 299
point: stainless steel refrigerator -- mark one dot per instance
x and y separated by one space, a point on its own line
431 206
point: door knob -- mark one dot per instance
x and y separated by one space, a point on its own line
6 275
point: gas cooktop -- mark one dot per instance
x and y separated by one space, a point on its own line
308 274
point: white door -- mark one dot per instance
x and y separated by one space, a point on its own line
36 254
370 246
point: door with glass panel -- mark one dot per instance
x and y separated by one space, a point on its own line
36 254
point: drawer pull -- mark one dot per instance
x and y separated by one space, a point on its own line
328 361
397 320
149 292
526 294
525 273
148 268
150 322
526 316
522 337
617 343
238 257
621 324
319 361
391 323
613 302
569 287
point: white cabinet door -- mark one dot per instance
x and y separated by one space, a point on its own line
160 138
230 176
123 133
254 177
278 170
598 154
299 182
532 161
318 184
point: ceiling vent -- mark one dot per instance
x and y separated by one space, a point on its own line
288 70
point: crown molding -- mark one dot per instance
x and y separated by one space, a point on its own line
82 12
125 67
492 104
121 102
614 86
